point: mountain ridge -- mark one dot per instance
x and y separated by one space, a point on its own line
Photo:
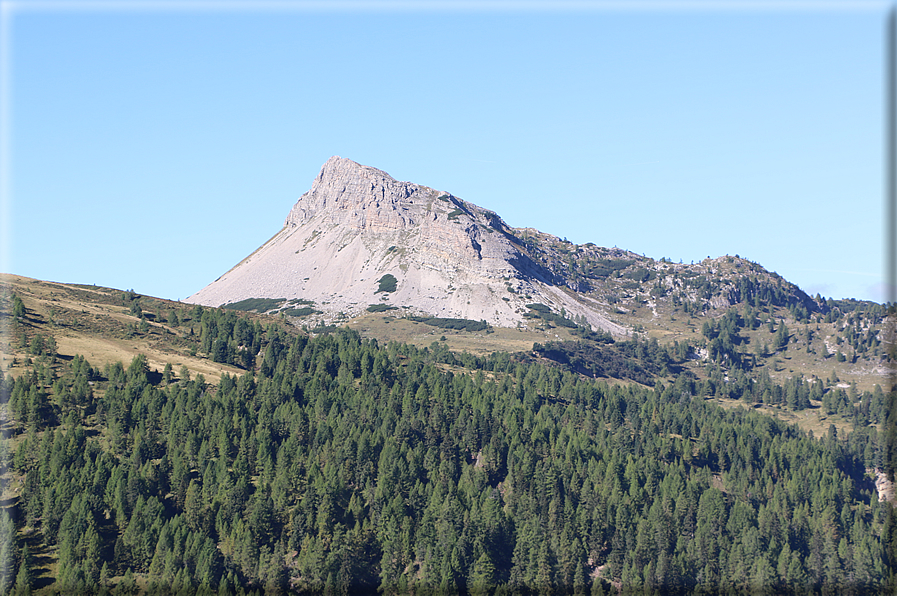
451 258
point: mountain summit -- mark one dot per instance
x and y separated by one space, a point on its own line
358 226
360 240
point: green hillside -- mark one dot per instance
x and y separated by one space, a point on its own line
339 464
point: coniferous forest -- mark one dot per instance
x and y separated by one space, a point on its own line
337 465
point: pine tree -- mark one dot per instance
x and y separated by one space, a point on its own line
18 308
105 574
598 587
23 578
193 506
781 339
127 586
482 578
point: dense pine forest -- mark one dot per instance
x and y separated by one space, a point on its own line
337 465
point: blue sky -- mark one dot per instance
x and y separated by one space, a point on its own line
154 145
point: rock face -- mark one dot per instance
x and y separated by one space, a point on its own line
357 224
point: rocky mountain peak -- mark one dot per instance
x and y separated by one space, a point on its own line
354 195
358 231
337 168
357 225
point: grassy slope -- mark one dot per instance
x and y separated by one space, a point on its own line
668 324
668 327
388 328
94 322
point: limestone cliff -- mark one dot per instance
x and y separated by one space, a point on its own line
356 224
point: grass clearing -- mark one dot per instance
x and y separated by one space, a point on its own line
91 322
502 339
810 419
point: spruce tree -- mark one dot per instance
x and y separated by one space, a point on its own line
23 578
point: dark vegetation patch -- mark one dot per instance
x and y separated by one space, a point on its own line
460 324
635 360
388 283
543 312
300 312
539 308
640 274
381 308
259 305
600 336
605 267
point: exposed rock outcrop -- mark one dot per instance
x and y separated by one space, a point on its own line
356 224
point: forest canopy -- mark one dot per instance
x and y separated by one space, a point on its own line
334 464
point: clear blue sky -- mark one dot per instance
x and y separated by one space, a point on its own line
153 146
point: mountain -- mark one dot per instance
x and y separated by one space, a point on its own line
360 238
674 452
357 224
402 262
